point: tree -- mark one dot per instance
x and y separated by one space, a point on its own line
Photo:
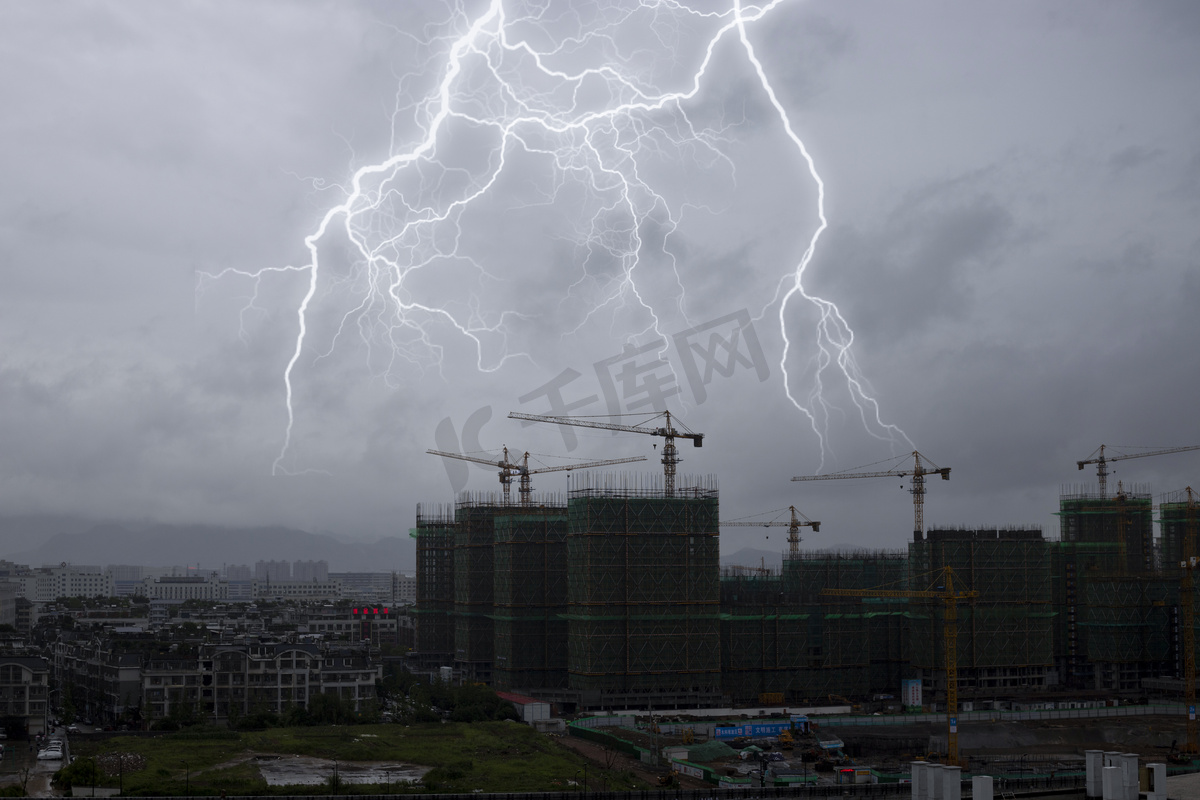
183 713
68 702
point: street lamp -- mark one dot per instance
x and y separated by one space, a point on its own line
387 773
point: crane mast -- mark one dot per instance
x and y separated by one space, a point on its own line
507 468
670 455
796 522
521 469
950 596
1102 461
918 472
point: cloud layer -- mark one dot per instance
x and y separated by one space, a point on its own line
1012 194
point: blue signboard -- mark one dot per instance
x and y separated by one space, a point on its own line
754 730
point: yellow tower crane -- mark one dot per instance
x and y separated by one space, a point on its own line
667 430
794 525
523 472
918 472
1102 460
941 588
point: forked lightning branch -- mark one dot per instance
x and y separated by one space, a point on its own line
595 100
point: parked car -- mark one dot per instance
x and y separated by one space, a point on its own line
72 729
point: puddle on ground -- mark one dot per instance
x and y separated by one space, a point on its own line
306 771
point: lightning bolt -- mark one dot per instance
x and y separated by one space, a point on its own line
506 91
834 336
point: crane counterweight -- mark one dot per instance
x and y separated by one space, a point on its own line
794 524
1102 461
918 472
670 455
521 469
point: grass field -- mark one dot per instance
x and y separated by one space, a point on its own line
492 756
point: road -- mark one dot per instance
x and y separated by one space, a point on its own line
20 763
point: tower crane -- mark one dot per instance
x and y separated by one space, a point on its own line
1102 461
794 525
521 469
918 472
667 430
942 588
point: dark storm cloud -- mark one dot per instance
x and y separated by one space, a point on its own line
1132 156
1011 191
930 261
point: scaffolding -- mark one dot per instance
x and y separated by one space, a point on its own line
474 585
856 642
1073 566
1131 623
779 634
856 645
642 590
434 535
1006 635
1173 516
1174 550
530 596
630 580
1124 519
764 644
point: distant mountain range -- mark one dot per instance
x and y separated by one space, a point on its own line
44 539
753 557
41 540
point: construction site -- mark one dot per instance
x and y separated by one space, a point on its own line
613 598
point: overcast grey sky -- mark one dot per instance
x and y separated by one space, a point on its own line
1012 193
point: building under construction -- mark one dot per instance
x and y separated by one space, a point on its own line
781 636
1005 640
614 598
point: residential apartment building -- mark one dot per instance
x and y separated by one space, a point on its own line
310 571
298 590
127 579
404 588
186 587
239 572
376 624
99 673
273 571
47 584
24 694
111 676
366 587
8 602
246 678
